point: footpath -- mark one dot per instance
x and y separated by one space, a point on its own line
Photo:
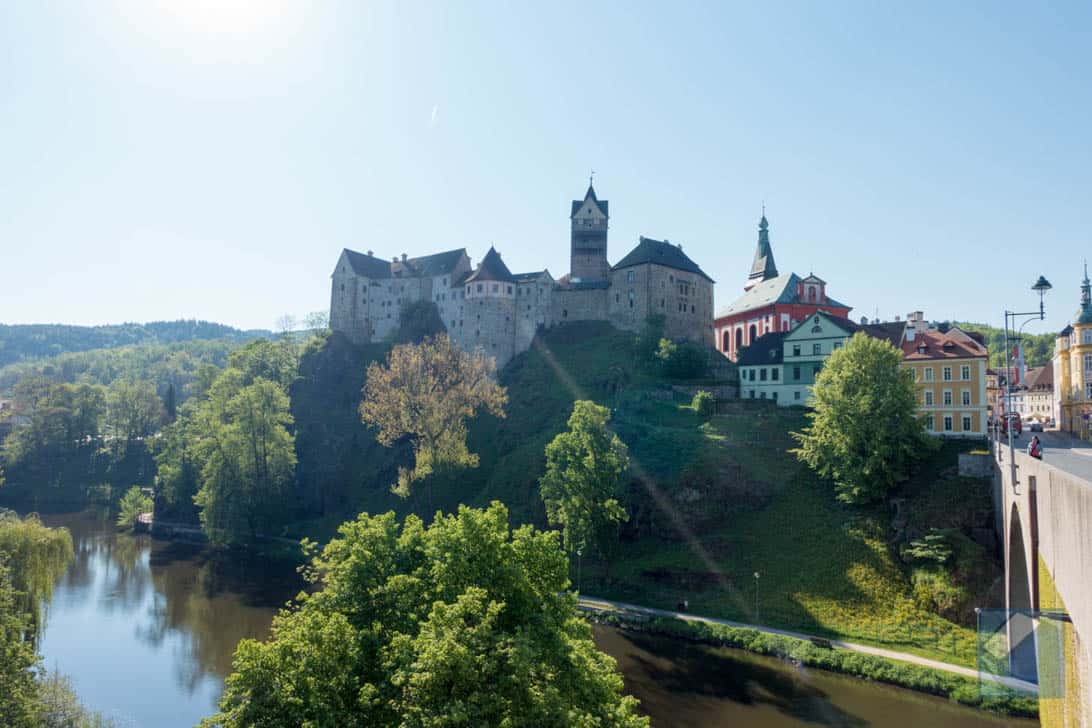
596 604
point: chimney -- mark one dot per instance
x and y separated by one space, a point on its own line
394 259
404 257
371 254
896 318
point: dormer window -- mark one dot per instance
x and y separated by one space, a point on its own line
921 349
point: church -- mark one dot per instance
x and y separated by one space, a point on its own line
490 308
771 302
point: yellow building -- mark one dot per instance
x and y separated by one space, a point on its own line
950 372
1073 368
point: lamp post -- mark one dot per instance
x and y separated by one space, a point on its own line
1041 287
757 620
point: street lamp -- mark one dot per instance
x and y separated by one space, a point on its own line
1041 287
757 620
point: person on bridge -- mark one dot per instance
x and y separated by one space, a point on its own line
1034 448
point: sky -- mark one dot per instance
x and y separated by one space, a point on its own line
210 159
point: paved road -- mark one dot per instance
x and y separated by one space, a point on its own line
606 605
1063 451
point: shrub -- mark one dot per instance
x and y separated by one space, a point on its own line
936 590
932 547
704 403
133 503
681 361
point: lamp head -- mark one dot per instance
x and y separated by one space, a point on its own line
1041 286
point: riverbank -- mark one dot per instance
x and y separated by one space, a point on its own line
950 684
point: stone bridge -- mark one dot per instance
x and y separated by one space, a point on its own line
1047 542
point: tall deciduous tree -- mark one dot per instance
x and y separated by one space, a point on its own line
427 392
37 557
248 458
584 469
463 623
18 690
865 430
134 411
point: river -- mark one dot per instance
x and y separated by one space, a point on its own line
146 630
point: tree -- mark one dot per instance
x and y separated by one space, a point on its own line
317 320
426 392
584 468
134 412
170 405
248 458
36 557
417 321
682 361
286 324
134 503
18 691
704 403
864 429
462 623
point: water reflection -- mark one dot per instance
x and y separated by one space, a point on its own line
146 629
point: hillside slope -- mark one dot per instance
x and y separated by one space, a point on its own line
711 501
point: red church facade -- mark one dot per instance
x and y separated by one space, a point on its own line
770 302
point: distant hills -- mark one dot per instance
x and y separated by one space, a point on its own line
25 342
1038 348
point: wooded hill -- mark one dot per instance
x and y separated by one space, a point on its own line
20 342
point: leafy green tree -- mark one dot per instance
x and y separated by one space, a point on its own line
584 469
704 403
462 623
864 430
18 690
684 360
427 392
248 458
36 556
170 404
276 361
133 504
134 412
648 341
178 467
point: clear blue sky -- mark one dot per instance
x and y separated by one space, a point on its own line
210 159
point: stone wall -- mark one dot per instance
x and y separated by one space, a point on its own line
975 466
685 300
569 304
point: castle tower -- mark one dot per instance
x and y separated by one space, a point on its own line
763 267
589 238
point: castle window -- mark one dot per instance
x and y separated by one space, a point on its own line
509 290
631 276
662 303
965 372
692 310
617 297
966 423
564 313
796 373
479 288
816 349
343 286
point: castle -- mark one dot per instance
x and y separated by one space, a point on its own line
491 308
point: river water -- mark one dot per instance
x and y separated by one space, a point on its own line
146 630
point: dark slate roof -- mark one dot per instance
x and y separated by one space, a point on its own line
1066 331
492 268
763 268
766 349
603 205
660 252
368 265
889 331
438 264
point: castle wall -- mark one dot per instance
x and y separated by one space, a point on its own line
532 311
568 304
685 300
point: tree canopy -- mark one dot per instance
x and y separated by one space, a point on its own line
864 429
427 392
462 623
584 467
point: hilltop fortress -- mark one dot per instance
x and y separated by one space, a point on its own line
491 308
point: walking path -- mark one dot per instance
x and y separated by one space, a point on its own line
596 604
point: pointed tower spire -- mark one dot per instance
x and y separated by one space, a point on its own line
1086 289
763 267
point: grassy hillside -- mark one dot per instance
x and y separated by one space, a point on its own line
712 501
